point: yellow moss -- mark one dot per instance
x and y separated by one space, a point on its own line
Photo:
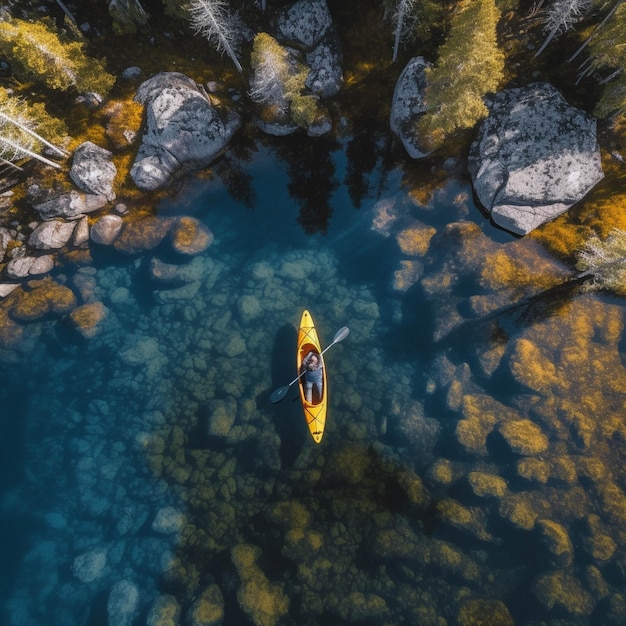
88 316
408 275
454 512
531 366
442 472
557 540
519 511
479 612
415 240
487 485
533 469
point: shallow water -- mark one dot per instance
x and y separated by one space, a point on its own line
463 471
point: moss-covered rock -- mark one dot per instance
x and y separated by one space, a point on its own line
482 612
563 591
557 541
208 608
87 319
486 485
524 437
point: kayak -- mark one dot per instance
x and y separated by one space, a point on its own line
315 407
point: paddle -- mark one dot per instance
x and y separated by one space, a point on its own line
281 392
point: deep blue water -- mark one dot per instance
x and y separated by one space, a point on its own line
145 472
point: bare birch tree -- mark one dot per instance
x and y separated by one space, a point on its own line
214 21
560 17
403 20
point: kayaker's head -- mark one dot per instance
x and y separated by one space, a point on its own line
314 361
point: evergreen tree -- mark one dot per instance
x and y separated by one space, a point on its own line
213 20
278 80
608 51
469 66
37 53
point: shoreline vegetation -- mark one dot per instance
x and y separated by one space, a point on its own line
74 88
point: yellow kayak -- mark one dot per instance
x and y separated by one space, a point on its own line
313 388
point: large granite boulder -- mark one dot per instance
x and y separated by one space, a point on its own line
534 157
183 130
408 104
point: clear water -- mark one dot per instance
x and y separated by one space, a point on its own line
145 472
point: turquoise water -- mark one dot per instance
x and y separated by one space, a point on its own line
145 473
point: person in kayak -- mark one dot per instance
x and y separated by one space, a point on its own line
312 368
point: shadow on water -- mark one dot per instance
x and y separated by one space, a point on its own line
288 418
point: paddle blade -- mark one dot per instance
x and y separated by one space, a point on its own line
341 334
279 394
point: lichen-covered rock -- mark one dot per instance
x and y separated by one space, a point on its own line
165 274
524 437
557 540
305 22
561 590
408 104
165 611
123 603
51 235
531 366
264 602
534 157
43 298
168 520
93 171
183 130
486 485
478 612
189 236
208 608
69 206
144 232
87 319
90 566
222 417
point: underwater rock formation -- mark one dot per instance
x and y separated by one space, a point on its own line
534 157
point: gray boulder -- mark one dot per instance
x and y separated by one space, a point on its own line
307 25
534 157
123 604
51 235
93 171
408 104
106 229
70 206
183 130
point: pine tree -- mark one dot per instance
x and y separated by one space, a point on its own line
608 51
270 64
213 20
37 53
469 66
279 81
560 17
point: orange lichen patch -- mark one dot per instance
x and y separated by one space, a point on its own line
414 241
142 232
533 470
532 367
190 236
88 317
520 268
408 274
123 120
43 298
524 437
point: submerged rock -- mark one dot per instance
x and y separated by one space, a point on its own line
534 157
